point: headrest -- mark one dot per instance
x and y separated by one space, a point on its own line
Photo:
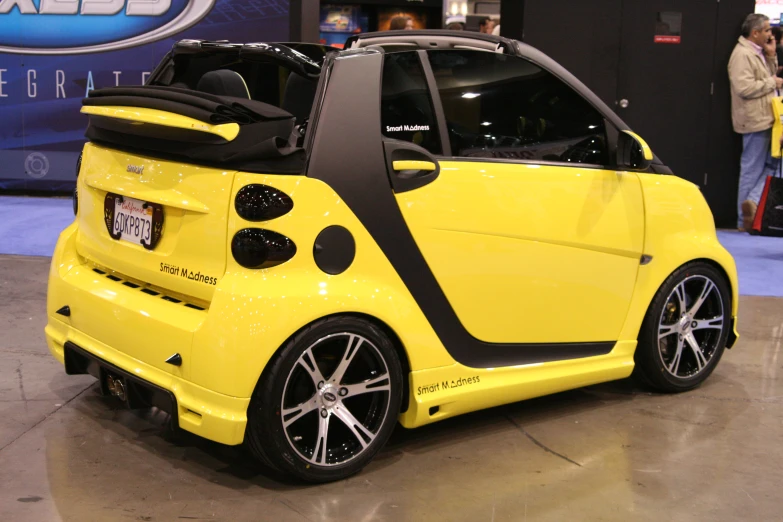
299 96
224 82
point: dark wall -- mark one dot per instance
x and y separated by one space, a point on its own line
586 37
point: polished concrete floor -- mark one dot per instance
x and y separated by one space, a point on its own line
608 452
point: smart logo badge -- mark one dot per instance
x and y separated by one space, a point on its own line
86 26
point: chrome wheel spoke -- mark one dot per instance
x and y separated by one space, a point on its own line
666 330
291 415
357 428
679 293
380 383
713 323
354 342
701 359
674 367
307 361
319 456
709 286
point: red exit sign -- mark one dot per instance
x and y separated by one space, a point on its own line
667 39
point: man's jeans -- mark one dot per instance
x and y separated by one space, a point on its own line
757 163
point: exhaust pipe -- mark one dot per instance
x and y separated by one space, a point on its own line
116 387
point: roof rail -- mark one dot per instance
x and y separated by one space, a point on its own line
433 39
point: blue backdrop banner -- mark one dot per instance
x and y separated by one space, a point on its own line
53 52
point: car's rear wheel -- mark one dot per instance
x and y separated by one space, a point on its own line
686 329
328 401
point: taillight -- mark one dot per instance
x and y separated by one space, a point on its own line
259 248
261 203
76 189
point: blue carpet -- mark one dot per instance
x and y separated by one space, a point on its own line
759 262
30 226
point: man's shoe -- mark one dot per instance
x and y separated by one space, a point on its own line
748 214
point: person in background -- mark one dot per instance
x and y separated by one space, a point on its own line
455 23
485 25
401 23
777 33
752 74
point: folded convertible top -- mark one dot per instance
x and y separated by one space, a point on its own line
194 127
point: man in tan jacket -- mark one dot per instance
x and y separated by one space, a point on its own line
752 69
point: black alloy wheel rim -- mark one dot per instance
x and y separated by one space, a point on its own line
691 326
336 399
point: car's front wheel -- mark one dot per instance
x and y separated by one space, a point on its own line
328 402
686 329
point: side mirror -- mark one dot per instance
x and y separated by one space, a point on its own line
633 153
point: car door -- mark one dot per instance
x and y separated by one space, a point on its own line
507 191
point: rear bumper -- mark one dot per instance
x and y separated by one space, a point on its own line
208 414
131 333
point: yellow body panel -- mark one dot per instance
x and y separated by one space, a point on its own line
140 116
777 126
196 202
457 389
254 312
603 219
680 228
129 316
529 253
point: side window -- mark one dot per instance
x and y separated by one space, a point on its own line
406 107
499 106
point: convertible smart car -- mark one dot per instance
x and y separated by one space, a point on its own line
298 250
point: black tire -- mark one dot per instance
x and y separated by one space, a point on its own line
656 360
288 449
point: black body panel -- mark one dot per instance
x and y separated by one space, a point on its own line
349 156
334 250
140 393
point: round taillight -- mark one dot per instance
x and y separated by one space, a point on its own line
261 203
258 248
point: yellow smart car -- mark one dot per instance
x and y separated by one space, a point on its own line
297 249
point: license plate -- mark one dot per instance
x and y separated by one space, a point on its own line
133 220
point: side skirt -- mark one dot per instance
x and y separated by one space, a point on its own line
440 393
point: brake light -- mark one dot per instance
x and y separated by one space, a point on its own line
261 203
259 248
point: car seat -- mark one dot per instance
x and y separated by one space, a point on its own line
224 82
299 96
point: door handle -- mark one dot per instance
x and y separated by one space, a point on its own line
409 166
399 165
